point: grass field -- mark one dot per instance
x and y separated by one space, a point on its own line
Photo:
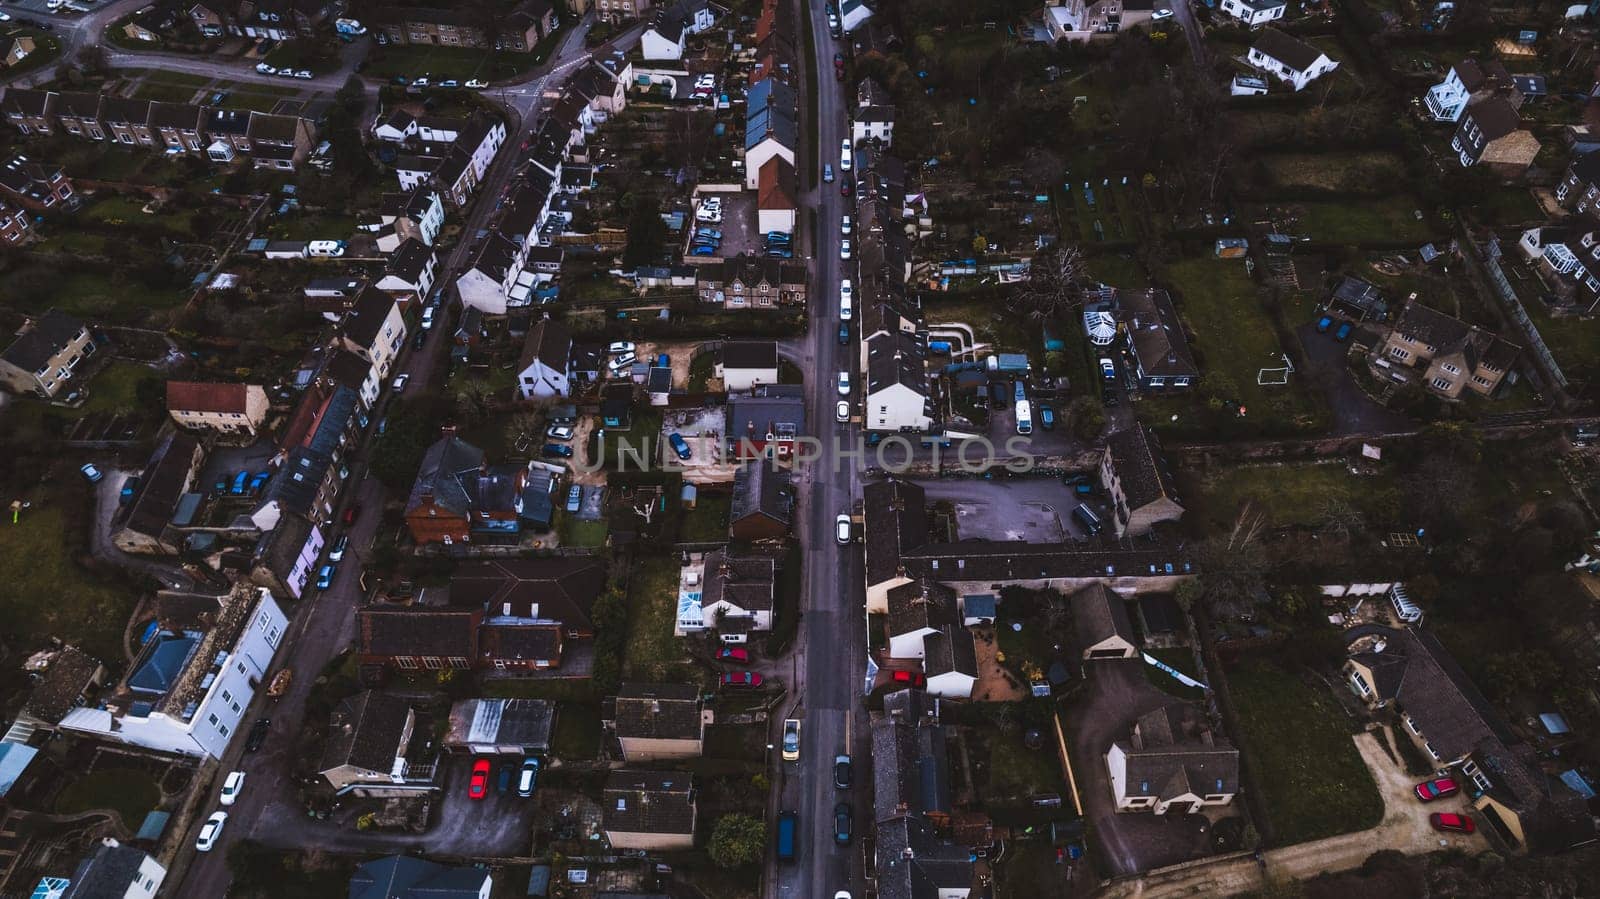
708 520
1340 172
1298 742
116 388
1017 772
652 607
1388 218
110 297
1292 495
575 531
1118 271
1575 342
48 595
130 793
577 733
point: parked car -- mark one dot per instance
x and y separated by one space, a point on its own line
844 224
427 316
842 529
325 577
528 777
842 815
449 82
231 787
736 655
258 734
351 513
304 75
844 248
619 364
703 251
740 679
240 481
477 83
844 333
210 832
844 383
504 782
337 553
841 412
1108 369
679 445
1450 821
827 173
265 69
559 432
1343 333
1324 323
91 473
619 347
419 341
399 383
846 188
1438 788
791 740
478 786
841 772
909 678
557 451
259 481
1047 418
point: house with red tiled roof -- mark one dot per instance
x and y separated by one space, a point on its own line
234 412
776 207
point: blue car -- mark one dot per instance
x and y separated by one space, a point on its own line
844 333
557 451
259 481
703 251
679 445
1323 324
240 481
325 577
1343 332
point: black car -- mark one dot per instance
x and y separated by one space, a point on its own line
844 333
841 823
419 340
841 771
258 734
557 451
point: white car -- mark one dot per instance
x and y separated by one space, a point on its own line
844 249
844 224
562 433
304 74
708 216
847 298
326 248
4 17
232 787
620 347
844 155
844 383
265 69
841 412
621 363
210 831
1160 14
477 83
841 529
399 384
427 318
420 82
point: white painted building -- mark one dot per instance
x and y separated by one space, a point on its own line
896 388
494 275
1289 59
374 329
1255 12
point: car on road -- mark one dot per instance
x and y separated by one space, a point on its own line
736 655
1161 15
337 553
1450 821
841 771
846 188
129 488
1324 323
266 69
232 785
477 83
842 815
827 173
325 577
449 82
841 412
399 383
1343 333
557 451
1108 369
427 316
420 340
304 75
478 786
4 17
258 734
842 894
210 832
740 679
91 473
791 740
528 777
286 73
420 82
351 513
842 530
1438 788
559 432
679 445
844 383
621 346
844 248
909 678
838 60
844 155
844 224
844 333
847 299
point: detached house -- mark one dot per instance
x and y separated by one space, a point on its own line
43 358
558 592
1579 189
736 596
1155 339
1135 475
1084 20
1491 134
1289 59
232 411
649 810
459 498
745 363
111 870
664 37
365 751
543 368
1172 761
1448 354
1255 13
659 721
1468 81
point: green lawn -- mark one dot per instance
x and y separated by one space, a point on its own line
48 595
116 388
577 733
708 520
131 793
652 609
1118 271
1017 772
111 297
171 93
1389 218
317 227
439 63
1575 342
1298 742
575 531
1293 495
643 437
1356 171
1507 207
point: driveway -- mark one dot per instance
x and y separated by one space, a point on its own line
1353 411
1135 841
108 495
1030 509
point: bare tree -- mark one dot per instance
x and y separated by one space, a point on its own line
1055 283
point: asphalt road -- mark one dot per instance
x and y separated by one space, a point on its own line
830 663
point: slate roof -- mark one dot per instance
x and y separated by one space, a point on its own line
419 631
409 260
921 604
660 802
76 104
1173 752
951 649
441 474
1495 117
124 110
561 589
1587 167
910 759
165 479
519 642
550 342
1136 459
1099 613
745 582
108 871
658 712
1474 74
1447 334
1289 50
27 101
365 731
364 322
896 358
896 520
750 354
182 116
764 409
1157 335
495 256
409 877
761 487
50 334
913 862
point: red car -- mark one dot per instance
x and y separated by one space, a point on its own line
738 655
351 513
913 678
479 786
741 679
1437 789
1451 821
845 189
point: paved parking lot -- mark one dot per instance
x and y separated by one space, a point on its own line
1034 510
702 430
738 227
227 461
500 824
1353 411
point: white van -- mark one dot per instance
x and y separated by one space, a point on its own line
846 300
325 248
